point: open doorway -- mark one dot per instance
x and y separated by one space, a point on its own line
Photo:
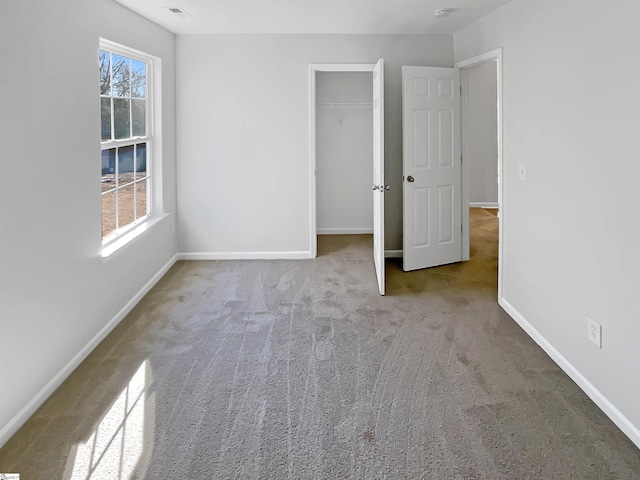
431 99
340 185
344 149
481 82
480 93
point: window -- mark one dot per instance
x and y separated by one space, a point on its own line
127 139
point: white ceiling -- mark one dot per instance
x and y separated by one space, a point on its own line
313 16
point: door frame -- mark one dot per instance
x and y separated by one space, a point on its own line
464 65
313 69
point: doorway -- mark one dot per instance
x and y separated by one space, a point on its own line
344 149
482 168
480 93
377 158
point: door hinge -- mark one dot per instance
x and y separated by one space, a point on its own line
403 178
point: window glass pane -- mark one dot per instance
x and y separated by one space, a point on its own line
138 112
105 118
121 76
121 118
105 77
141 160
138 79
125 165
141 199
125 206
108 213
108 184
108 169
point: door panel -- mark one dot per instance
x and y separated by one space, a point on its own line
421 142
378 174
432 171
421 204
445 214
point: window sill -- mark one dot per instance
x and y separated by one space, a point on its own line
118 243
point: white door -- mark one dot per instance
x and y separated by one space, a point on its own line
431 167
378 172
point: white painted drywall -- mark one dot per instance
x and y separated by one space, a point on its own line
344 152
55 291
482 132
243 133
571 103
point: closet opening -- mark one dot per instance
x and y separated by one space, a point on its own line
337 104
344 167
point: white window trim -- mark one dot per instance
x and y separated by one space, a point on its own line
114 242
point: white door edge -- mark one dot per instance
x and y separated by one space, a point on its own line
378 175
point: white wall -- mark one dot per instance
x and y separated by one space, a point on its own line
571 103
243 133
482 132
55 291
344 158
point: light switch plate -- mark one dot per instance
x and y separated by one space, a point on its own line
522 171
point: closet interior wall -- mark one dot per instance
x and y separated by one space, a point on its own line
344 152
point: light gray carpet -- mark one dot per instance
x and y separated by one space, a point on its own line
299 370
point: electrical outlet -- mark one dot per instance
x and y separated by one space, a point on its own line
594 332
522 171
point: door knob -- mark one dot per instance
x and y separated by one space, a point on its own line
387 187
375 187
410 179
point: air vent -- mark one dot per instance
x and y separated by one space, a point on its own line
179 12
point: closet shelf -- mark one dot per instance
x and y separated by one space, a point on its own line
345 105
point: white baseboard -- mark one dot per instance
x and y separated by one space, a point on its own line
344 231
393 254
587 387
483 205
29 409
244 255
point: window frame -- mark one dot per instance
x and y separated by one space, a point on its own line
122 235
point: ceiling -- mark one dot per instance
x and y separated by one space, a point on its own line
313 16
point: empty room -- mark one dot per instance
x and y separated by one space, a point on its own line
303 239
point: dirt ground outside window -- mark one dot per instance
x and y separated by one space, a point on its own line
127 211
